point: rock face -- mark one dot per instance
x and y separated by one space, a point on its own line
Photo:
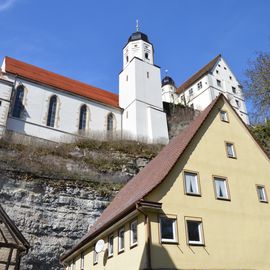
51 215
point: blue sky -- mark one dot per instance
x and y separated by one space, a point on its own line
83 39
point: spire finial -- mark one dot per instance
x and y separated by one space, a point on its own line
137 25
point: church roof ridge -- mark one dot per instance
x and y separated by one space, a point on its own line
195 77
61 82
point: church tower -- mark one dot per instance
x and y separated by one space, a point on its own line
140 93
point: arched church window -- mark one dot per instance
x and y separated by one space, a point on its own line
18 104
110 122
127 58
52 111
146 56
83 117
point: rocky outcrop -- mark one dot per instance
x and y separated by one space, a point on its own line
52 215
54 194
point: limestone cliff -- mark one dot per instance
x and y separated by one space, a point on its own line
55 193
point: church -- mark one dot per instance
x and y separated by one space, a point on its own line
38 103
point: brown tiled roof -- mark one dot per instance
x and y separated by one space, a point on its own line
43 76
146 180
198 75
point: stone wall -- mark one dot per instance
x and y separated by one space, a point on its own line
51 215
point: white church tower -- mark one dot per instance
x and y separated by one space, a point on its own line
140 94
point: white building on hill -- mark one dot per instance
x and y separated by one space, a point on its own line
38 103
205 85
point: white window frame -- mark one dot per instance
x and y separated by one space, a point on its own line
132 242
261 187
95 257
120 247
110 254
224 116
73 265
219 83
174 224
187 192
225 185
82 261
230 144
200 228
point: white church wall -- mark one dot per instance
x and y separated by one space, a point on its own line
36 104
140 81
5 95
138 49
157 126
168 94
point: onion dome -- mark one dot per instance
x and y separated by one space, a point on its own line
138 36
167 80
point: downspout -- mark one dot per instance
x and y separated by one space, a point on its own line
148 238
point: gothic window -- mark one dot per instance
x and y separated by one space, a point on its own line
83 117
18 104
52 111
110 122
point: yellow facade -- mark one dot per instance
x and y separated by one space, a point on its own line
235 232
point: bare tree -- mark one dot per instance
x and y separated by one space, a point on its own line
257 86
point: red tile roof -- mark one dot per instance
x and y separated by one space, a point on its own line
207 68
43 76
146 180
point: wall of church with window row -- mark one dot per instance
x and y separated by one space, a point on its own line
52 114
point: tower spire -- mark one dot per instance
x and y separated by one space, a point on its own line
137 25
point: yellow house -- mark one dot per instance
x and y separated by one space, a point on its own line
200 204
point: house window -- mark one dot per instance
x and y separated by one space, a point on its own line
110 245
82 261
199 85
95 257
73 265
52 111
225 68
147 74
194 230
83 117
126 58
221 188
110 122
168 229
261 193
219 83
191 183
146 56
121 240
237 103
234 90
133 233
183 99
224 116
230 150
230 77
217 71
18 104
190 92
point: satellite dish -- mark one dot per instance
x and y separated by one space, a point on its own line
99 246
